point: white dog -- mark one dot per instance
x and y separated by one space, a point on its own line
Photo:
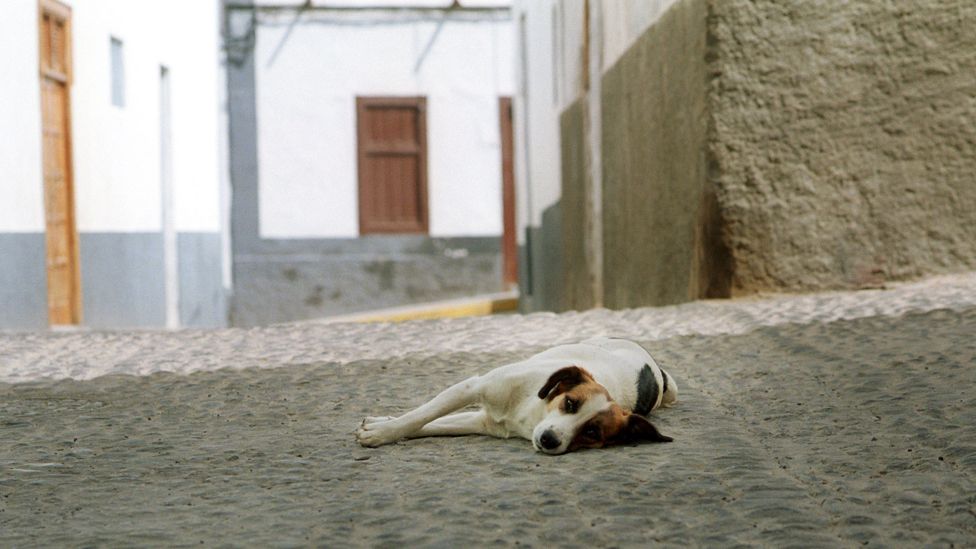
586 395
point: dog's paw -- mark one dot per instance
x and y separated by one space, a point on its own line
377 419
372 434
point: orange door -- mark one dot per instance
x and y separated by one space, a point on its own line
63 288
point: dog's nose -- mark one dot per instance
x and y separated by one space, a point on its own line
548 440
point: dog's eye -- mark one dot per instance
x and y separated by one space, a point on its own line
591 432
570 406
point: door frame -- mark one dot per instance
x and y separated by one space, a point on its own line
58 10
509 229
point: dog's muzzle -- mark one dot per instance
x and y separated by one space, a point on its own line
548 441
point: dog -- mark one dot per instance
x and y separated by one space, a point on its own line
586 395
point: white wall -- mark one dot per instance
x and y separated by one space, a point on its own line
21 190
307 82
538 105
117 171
194 61
116 151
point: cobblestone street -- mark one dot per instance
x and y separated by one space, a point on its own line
825 433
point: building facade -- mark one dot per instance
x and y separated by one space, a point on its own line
110 195
684 149
367 154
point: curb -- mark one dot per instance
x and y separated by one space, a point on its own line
484 305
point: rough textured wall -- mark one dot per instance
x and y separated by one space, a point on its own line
843 138
656 206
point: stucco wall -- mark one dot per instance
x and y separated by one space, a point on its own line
842 139
770 145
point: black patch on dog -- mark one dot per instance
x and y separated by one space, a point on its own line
647 391
664 376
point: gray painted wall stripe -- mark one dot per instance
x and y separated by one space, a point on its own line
23 281
203 303
122 281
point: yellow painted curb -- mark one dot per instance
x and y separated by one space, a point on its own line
479 306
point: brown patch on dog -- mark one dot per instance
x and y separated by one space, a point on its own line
615 426
573 400
563 380
569 388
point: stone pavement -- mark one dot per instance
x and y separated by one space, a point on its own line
853 432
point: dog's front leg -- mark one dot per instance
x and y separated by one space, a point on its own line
461 423
457 396
456 424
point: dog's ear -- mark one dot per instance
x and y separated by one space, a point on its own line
638 429
563 380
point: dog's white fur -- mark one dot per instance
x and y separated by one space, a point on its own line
510 403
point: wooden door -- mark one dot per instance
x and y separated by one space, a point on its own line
509 245
392 163
63 287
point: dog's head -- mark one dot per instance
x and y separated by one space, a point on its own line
580 413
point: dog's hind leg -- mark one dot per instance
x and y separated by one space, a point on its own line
451 399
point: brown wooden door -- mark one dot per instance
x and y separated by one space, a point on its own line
392 164
63 288
509 246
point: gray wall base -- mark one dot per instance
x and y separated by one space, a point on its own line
122 283
23 281
271 288
541 265
203 303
